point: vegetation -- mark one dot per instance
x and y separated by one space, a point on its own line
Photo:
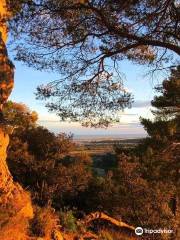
85 41
68 221
29 155
134 177
165 127
44 222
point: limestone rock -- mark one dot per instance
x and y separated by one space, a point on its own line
15 203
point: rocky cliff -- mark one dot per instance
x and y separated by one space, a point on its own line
15 204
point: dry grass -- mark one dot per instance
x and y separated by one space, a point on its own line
44 222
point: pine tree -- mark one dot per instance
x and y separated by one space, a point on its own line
165 128
164 136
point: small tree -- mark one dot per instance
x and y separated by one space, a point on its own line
163 164
166 125
19 115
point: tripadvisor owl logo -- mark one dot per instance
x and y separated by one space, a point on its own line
139 231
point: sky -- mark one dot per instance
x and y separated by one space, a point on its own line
141 87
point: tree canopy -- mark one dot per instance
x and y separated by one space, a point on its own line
85 41
165 127
168 102
19 115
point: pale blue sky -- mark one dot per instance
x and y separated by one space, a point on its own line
27 79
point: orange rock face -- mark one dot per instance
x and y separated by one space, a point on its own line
6 66
15 203
4 173
6 74
3 15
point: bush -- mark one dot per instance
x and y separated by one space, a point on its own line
68 221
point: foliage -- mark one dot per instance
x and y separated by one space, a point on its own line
165 127
106 162
131 185
51 180
85 41
45 144
151 178
137 190
168 102
158 162
38 159
19 159
68 221
74 175
62 180
19 115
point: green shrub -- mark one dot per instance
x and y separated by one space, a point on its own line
68 221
